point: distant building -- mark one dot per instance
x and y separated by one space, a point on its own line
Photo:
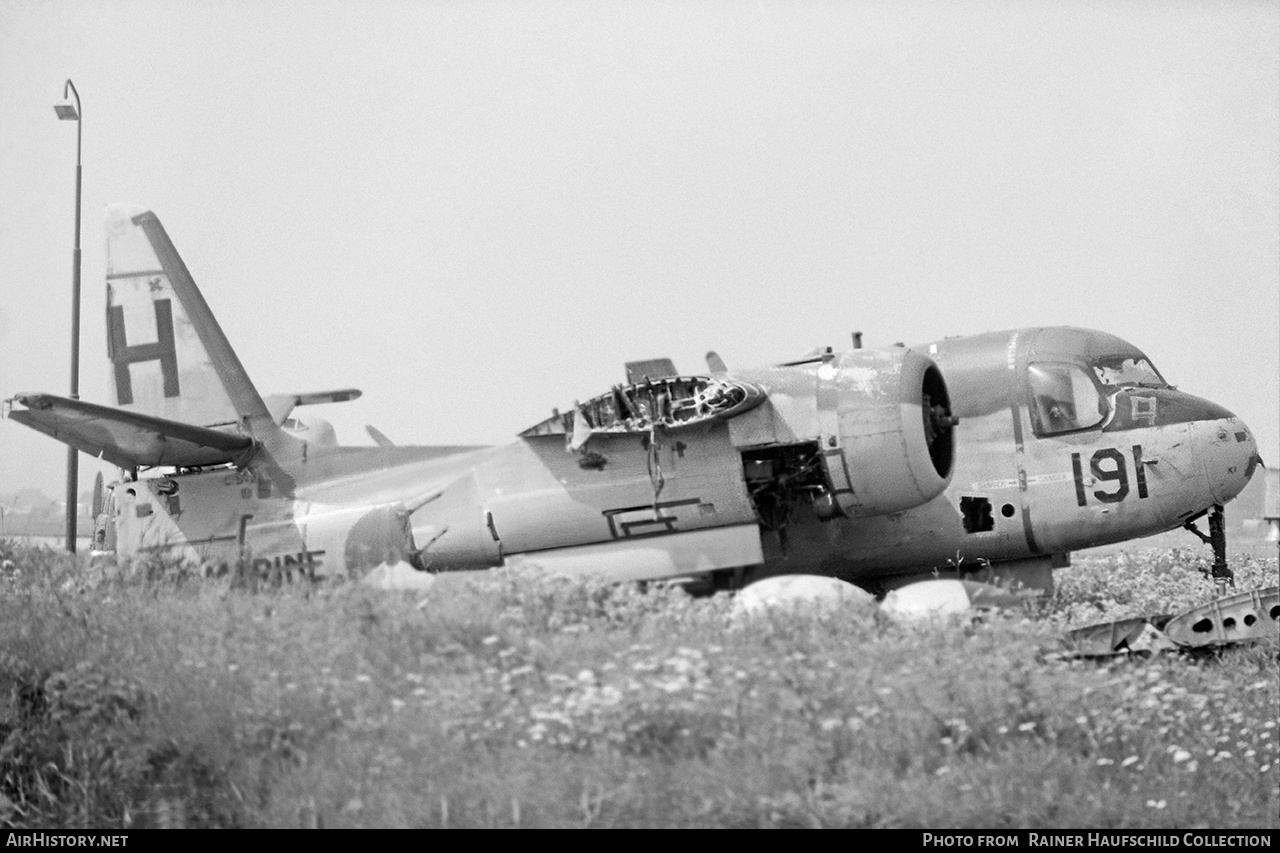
1271 504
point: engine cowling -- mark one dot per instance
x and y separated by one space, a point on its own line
887 438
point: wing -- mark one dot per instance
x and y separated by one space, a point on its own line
126 438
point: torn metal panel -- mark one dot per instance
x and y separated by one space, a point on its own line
1137 634
1244 617
1248 615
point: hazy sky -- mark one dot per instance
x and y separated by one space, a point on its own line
477 211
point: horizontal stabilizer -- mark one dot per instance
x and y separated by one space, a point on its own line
377 436
281 405
126 438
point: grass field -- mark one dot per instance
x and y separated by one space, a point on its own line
525 701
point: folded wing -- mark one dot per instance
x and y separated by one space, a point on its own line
127 438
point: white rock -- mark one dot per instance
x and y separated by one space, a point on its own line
797 591
926 599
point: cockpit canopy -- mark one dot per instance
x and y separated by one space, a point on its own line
1069 395
1064 398
1128 370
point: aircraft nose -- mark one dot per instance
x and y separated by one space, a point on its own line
1228 450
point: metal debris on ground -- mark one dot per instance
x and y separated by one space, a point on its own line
1243 617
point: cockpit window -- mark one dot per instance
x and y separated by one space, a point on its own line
1126 370
1064 398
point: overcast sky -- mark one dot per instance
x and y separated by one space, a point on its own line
477 211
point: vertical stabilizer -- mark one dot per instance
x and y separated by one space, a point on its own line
169 357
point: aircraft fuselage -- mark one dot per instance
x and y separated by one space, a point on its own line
1049 458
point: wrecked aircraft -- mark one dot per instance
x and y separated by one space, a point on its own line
1001 452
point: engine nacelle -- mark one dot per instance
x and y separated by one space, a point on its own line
891 445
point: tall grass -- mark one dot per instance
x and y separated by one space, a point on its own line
160 698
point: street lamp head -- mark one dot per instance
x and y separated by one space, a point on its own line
66 112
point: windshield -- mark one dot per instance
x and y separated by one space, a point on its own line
1064 398
1127 370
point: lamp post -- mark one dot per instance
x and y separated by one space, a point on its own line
67 112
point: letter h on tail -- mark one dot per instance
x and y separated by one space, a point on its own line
163 351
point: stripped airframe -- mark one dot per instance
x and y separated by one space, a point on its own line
1001 452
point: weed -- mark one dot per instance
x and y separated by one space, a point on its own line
164 696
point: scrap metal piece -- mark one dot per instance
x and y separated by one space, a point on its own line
1245 616
1123 636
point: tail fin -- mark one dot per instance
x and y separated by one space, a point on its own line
169 356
